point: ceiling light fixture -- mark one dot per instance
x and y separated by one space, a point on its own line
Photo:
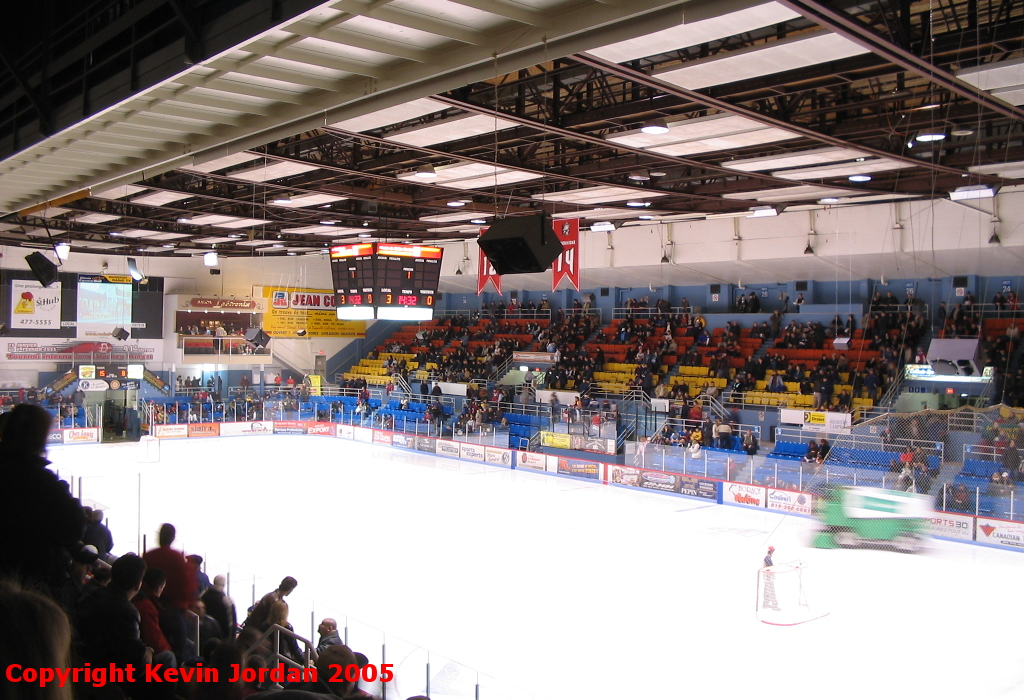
646 217
365 235
655 126
283 200
972 192
456 203
637 203
994 239
184 219
426 172
478 221
928 136
639 176
168 245
602 226
808 250
210 259
328 222
859 178
962 132
658 173
664 258
63 250
828 200
761 212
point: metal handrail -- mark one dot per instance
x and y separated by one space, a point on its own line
647 312
309 652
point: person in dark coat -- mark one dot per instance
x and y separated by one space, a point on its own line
39 518
98 535
220 607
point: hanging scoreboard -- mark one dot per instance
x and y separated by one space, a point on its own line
386 280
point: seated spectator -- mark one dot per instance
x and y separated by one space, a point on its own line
35 633
39 517
749 443
329 636
147 602
220 607
287 646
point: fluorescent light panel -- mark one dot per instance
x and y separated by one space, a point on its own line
158 199
96 218
993 76
310 200
695 33
718 132
471 175
872 165
459 216
1012 170
788 194
815 156
761 60
272 171
601 193
449 129
221 163
392 115
213 239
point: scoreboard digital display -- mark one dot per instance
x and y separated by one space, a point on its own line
386 280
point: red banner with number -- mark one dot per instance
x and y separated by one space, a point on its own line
485 272
567 265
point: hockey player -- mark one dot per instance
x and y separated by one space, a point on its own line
770 603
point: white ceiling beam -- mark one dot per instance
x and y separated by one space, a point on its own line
223 83
132 131
316 58
311 81
164 124
190 97
194 114
517 13
412 20
346 37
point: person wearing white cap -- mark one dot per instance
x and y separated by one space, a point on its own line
770 602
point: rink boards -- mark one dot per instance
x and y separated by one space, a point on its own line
959 527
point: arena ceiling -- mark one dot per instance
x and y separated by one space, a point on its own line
419 119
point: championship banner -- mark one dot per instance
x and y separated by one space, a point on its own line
34 306
567 265
485 271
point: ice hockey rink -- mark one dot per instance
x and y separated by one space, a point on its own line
536 585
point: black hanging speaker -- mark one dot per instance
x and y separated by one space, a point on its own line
257 338
521 244
44 270
120 333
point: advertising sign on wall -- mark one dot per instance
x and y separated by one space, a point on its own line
532 460
1002 532
247 428
447 448
203 429
956 527
743 494
496 455
170 431
403 440
289 311
73 435
381 437
559 441
468 450
831 421
289 427
696 486
425 444
791 501
319 428
576 467
55 437
645 478
345 431
34 306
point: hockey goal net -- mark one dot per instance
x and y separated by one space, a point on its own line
783 597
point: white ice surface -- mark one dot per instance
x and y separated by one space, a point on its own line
564 588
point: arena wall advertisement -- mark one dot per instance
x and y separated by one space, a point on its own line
345 431
644 478
955 527
172 431
700 487
791 501
577 467
447 448
203 429
743 494
289 427
992 531
381 437
468 450
319 428
403 440
426 444
496 455
532 460
577 441
247 428
81 435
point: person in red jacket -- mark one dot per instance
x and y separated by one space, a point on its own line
182 579
147 602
